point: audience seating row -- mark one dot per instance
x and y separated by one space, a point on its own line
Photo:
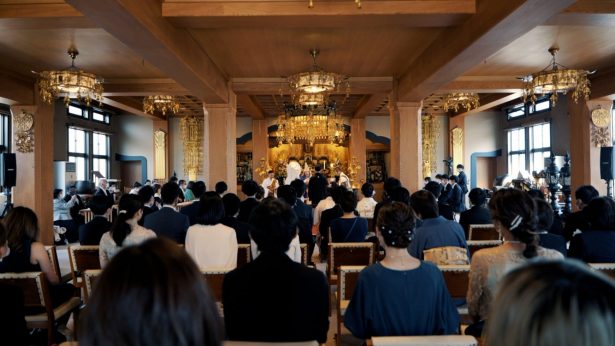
483 232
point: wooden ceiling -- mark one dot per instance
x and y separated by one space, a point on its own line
201 50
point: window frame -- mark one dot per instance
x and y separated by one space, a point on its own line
529 108
529 148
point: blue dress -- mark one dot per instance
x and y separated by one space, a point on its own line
348 230
389 302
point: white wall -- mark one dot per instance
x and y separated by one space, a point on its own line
137 139
244 125
442 152
482 134
379 126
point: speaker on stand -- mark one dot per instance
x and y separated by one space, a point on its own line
607 166
8 178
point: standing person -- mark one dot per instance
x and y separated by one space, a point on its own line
168 222
446 190
270 184
343 178
61 214
463 182
317 187
104 191
456 196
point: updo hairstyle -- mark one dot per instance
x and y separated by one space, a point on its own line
396 223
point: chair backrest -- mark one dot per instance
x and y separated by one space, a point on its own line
475 245
446 255
90 278
53 259
262 343
436 340
33 286
214 279
82 258
353 254
87 214
243 254
484 232
304 254
457 279
607 269
347 281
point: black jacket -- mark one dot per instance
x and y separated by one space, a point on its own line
476 215
245 209
305 216
168 223
242 229
91 232
593 246
317 188
463 182
191 211
577 220
456 199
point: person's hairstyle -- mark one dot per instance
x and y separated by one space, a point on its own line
211 208
260 192
460 166
477 196
299 187
220 187
536 194
438 176
424 203
600 213
136 184
198 188
427 179
400 194
318 168
190 185
348 201
444 176
231 204
181 181
151 294
434 187
99 205
249 187
173 179
22 224
3 234
586 193
169 193
146 193
516 211
273 224
157 186
454 178
287 194
336 193
148 181
56 193
367 190
544 214
553 303
396 223
270 171
390 184
129 205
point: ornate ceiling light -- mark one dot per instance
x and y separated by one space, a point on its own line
454 101
315 81
310 124
557 79
71 82
160 103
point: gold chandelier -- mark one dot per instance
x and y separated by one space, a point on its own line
558 79
454 101
309 124
316 81
160 103
70 82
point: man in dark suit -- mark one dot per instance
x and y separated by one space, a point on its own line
435 188
463 182
231 209
317 187
91 232
456 195
192 210
167 222
478 214
102 190
249 188
146 193
578 220
445 195
305 215
273 299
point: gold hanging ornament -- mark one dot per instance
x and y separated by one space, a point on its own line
24 132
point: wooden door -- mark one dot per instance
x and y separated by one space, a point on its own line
486 171
130 171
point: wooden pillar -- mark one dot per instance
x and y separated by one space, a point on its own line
34 184
584 156
358 148
219 144
406 144
260 146
162 170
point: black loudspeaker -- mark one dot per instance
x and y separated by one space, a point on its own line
8 170
606 163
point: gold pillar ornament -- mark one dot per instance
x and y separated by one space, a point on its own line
457 146
263 168
601 124
160 155
192 138
24 132
354 168
431 131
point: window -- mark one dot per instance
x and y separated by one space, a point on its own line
100 116
77 151
5 130
524 109
101 153
516 111
77 111
528 147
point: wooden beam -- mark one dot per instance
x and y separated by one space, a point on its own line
15 90
491 102
47 10
273 86
321 8
458 49
130 106
140 26
368 104
483 84
592 6
249 104
143 87
603 84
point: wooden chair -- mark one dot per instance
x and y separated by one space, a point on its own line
243 254
352 254
214 279
348 276
484 232
304 254
90 278
87 214
475 245
457 278
36 296
607 269
82 258
53 259
436 340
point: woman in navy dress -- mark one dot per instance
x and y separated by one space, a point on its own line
349 227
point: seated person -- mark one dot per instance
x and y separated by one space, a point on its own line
221 188
545 221
578 220
400 295
560 303
596 244
250 188
348 228
168 222
188 194
304 219
147 193
367 204
211 244
478 214
231 210
12 319
434 231
326 218
444 209
160 291
126 230
92 232
293 298
192 210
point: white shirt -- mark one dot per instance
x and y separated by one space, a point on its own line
267 182
323 205
344 180
108 248
294 249
212 247
366 207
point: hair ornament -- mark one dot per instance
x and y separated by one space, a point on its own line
516 222
121 212
392 243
